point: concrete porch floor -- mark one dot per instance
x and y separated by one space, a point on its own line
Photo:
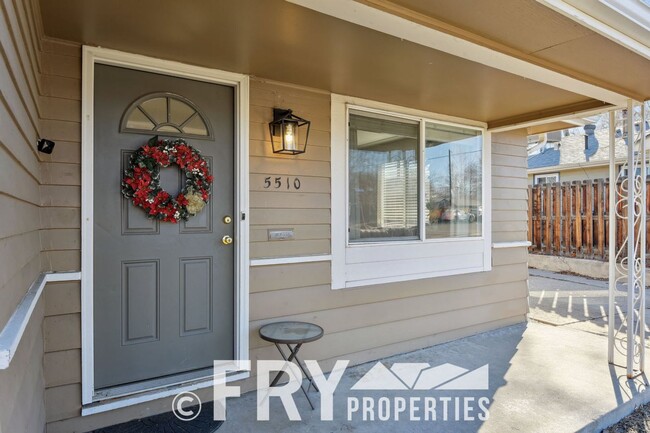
543 377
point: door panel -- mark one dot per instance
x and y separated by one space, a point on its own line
163 292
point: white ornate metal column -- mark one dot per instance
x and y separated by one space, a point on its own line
627 263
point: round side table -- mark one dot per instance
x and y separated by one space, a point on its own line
292 333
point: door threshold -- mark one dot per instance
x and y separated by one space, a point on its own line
152 384
143 396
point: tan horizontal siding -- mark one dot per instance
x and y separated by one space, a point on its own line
288 200
509 196
18 93
61 260
60 239
62 298
16 181
21 385
62 332
22 216
62 368
61 174
280 303
16 140
395 310
270 249
288 207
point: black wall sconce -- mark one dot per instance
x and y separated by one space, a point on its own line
45 146
289 133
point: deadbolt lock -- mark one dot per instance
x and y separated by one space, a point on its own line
227 219
226 240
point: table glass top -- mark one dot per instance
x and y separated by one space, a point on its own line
291 332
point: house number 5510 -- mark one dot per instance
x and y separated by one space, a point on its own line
281 182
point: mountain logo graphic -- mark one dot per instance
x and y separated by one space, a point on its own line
421 376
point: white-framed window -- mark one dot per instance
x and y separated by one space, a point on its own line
622 170
410 194
546 178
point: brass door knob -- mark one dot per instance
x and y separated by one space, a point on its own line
226 240
227 219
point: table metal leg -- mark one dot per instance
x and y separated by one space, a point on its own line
294 355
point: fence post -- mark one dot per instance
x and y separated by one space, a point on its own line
578 217
588 191
537 193
547 222
567 194
557 218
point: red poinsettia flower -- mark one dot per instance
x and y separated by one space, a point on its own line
181 200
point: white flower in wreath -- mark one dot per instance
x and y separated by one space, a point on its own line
195 203
177 214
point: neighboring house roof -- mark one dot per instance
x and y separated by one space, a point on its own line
547 158
571 151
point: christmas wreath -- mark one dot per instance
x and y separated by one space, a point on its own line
141 182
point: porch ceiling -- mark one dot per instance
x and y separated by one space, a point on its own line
277 40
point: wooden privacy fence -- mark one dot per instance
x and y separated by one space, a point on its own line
571 219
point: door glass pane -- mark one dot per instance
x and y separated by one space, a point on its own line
383 176
195 126
453 181
156 108
137 120
179 111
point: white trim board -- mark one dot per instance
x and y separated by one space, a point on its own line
375 19
14 329
513 244
290 260
91 56
117 403
585 19
557 118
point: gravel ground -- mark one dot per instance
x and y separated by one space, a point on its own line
636 422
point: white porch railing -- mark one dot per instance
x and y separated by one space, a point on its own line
15 328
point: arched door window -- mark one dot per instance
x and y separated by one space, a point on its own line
166 114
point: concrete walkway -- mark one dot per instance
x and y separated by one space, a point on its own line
543 377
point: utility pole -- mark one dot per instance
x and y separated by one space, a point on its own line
450 196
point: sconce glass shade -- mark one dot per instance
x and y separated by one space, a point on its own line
289 133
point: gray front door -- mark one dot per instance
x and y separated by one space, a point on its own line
163 292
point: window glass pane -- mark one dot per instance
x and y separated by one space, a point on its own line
383 176
453 182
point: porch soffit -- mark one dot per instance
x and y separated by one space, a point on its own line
534 32
277 40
